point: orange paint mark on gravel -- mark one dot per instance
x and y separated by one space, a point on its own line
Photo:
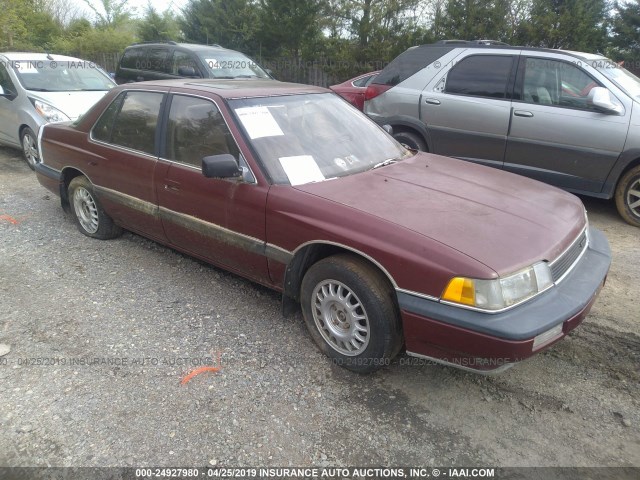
9 219
198 371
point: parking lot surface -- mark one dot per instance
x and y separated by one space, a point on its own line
102 333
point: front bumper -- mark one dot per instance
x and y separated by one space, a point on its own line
492 342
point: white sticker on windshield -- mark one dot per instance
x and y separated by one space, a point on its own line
301 169
212 63
259 122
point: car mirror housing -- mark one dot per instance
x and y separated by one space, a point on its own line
7 93
601 99
187 72
221 166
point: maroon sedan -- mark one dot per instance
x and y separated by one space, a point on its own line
353 90
382 247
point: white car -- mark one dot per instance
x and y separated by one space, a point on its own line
38 88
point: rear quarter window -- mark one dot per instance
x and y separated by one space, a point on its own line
409 63
131 58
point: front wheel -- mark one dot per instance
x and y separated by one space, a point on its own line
628 196
350 311
90 218
30 147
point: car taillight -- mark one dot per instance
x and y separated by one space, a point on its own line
375 89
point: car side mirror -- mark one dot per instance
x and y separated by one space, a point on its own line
221 166
601 99
187 72
8 94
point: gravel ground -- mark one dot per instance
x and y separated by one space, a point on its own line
116 325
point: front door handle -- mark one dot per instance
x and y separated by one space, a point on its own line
522 113
432 101
171 185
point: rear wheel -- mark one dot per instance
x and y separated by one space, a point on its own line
350 311
628 196
30 147
411 140
89 215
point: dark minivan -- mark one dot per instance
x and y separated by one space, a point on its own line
170 60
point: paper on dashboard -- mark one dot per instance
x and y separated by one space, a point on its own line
301 169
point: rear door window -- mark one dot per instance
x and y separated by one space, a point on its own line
157 60
133 124
481 76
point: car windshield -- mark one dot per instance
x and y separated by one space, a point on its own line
619 75
314 137
232 65
67 76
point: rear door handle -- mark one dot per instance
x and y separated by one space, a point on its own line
522 113
432 101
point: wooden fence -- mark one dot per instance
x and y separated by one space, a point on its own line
322 72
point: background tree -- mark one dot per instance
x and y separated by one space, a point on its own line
476 20
230 23
155 26
625 39
111 14
568 24
286 25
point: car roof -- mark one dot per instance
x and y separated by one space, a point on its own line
232 88
453 45
26 56
193 47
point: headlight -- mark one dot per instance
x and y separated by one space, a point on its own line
502 292
49 113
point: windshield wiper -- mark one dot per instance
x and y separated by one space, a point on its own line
39 89
388 161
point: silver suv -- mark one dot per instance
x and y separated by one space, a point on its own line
566 118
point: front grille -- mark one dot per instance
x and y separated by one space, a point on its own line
561 265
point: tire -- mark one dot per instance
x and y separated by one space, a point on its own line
628 196
89 215
364 332
29 142
411 140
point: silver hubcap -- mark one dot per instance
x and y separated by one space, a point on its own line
30 149
86 209
633 197
340 318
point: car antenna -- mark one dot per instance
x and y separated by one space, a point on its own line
49 57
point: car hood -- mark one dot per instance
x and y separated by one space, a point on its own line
500 219
72 104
